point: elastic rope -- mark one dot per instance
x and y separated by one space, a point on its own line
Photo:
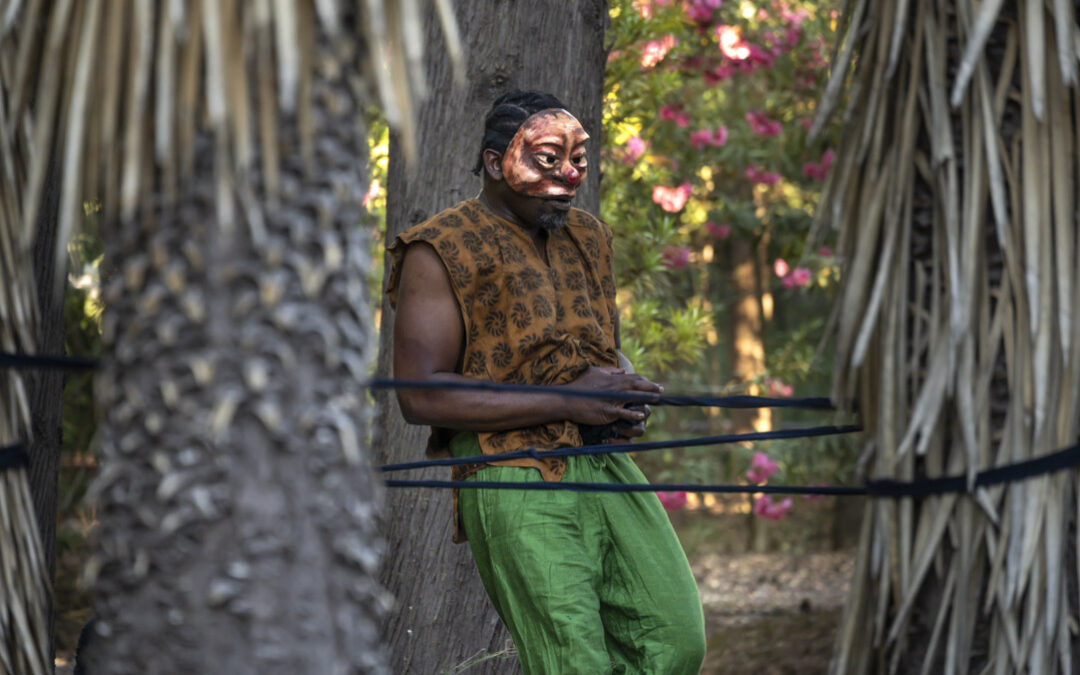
613 448
13 457
1057 461
45 362
634 487
816 403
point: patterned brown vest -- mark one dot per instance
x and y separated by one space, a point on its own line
525 321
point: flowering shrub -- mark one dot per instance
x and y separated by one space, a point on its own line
706 152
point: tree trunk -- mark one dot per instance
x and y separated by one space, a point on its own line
748 359
238 529
442 618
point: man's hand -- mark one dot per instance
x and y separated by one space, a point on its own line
625 429
606 411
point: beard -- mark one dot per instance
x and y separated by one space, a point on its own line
552 221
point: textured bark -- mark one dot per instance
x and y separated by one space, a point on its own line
237 506
442 618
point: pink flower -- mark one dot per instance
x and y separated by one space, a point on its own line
819 170
731 43
781 267
762 125
759 56
800 277
671 199
779 388
764 507
761 468
721 231
675 257
757 175
701 11
656 50
633 150
672 501
373 192
791 36
674 114
702 137
825 252
795 18
699 139
719 73
644 8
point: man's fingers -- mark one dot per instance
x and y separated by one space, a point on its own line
647 385
628 414
629 430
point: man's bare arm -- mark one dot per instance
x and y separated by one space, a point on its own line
429 335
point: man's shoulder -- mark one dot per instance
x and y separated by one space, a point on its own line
448 219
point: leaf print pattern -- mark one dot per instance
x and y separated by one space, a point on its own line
541 307
495 323
521 316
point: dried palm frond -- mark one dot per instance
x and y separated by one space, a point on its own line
112 97
957 330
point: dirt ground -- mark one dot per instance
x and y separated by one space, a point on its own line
765 614
771 614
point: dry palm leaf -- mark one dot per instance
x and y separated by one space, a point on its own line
962 341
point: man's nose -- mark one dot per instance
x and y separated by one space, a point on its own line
570 175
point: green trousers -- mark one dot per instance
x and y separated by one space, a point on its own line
587 582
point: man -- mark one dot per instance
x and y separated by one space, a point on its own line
516 286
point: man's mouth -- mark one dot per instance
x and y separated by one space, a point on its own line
562 202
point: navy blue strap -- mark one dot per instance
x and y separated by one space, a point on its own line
13 457
633 487
1055 461
613 448
629 396
1067 458
38 361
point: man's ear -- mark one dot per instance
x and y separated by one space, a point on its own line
493 164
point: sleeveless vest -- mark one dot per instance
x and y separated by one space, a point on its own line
526 322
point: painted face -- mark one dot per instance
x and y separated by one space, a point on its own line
546 157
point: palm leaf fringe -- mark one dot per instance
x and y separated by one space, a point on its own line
957 330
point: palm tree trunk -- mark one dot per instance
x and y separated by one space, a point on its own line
442 618
237 507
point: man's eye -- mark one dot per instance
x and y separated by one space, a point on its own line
579 160
546 160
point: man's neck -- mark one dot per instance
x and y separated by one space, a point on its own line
499 208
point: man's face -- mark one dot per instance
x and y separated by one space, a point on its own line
546 159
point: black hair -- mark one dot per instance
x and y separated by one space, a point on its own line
506 116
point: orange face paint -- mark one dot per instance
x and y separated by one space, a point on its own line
546 157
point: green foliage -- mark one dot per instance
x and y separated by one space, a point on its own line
79 453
